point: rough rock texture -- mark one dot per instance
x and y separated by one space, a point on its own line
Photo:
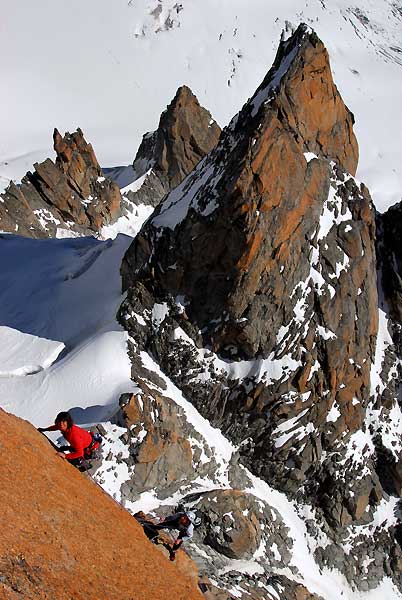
186 133
161 449
255 280
390 257
42 499
232 525
258 588
236 523
268 250
389 261
69 195
164 457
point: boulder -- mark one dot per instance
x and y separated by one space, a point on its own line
231 522
158 446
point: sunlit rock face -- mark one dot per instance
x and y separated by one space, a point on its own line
185 134
270 243
70 195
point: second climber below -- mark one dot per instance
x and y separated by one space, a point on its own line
184 523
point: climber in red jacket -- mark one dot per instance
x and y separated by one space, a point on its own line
80 440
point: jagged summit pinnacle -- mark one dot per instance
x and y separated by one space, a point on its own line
186 132
299 86
68 196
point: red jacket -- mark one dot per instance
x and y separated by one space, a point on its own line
79 439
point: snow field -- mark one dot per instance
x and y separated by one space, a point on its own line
117 53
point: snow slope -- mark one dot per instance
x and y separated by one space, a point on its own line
57 294
112 67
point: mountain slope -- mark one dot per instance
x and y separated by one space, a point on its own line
62 537
254 287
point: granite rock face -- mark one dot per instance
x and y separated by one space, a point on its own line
270 246
35 477
70 195
390 257
232 523
256 283
186 133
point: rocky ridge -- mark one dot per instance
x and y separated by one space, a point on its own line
185 134
252 292
254 287
62 198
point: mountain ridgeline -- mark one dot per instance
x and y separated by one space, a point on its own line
72 196
265 291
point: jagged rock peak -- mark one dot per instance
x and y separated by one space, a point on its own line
252 198
254 287
186 133
71 149
301 89
268 245
68 195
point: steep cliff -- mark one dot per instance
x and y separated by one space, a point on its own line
185 134
254 286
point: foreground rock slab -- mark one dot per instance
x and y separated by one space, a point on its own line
57 522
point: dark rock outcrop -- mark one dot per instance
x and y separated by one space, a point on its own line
186 133
389 250
70 194
232 523
163 456
272 251
264 261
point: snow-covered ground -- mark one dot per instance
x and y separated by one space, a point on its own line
55 295
96 64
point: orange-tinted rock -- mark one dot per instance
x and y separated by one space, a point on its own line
271 249
70 193
186 133
62 537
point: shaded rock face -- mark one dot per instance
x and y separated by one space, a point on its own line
70 194
389 259
162 455
265 200
255 280
269 245
160 448
186 133
389 248
259 588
